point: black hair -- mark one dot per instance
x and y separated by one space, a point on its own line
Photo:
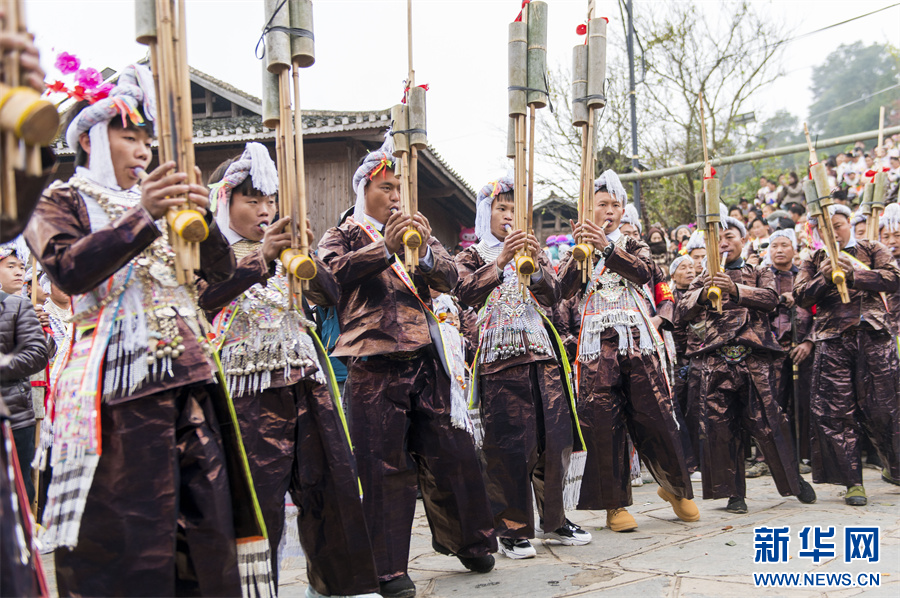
738 208
81 156
245 188
755 220
784 224
796 208
507 196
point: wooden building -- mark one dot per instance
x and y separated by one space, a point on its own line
226 118
552 215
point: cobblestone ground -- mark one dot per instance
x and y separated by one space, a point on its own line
666 557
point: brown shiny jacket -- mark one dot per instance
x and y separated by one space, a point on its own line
378 313
833 318
782 324
633 263
744 319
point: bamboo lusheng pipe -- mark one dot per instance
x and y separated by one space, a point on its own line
537 53
879 187
579 85
26 121
168 59
818 206
712 218
596 73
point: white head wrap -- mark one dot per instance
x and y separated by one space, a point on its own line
695 242
485 200
256 163
787 233
18 248
631 217
134 88
373 163
729 222
677 262
890 218
610 180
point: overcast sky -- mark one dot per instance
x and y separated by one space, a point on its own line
459 50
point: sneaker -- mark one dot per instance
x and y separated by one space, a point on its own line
756 470
886 476
399 587
620 520
518 548
807 495
568 535
637 482
805 468
476 564
736 505
696 476
856 496
683 507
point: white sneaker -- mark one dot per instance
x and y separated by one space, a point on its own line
567 535
635 482
517 549
696 477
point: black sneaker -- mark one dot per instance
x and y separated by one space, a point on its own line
736 505
807 495
399 587
478 564
886 476
567 535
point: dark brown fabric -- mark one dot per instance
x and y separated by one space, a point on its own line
28 193
158 519
527 441
736 398
78 260
378 313
631 262
687 402
893 301
295 442
785 317
744 319
567 321
833 318
478 279
855 393
400 411
620 396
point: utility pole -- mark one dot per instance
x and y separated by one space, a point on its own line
634 143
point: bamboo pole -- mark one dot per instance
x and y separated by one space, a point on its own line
711 191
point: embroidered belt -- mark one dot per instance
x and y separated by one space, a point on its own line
733 353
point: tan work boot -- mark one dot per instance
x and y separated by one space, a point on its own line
683 507
620 520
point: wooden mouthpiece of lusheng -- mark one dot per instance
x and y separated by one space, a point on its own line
518 67
868 193
511 138
29 118
537 54
412 239
298 264
581 252
579 85
271 107
278 43
416 118
145 21
303 48
189 224
525 265
812 198
400 117
712 200
596 63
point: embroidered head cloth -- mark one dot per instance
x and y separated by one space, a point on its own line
729 222
891 217
696 241
484 202
631 217
133 89
787 233
256 163
373 163
610 180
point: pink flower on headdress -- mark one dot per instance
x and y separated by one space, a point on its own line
67 63
88 78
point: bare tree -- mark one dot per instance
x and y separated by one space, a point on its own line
728 53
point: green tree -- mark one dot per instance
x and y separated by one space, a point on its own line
850 73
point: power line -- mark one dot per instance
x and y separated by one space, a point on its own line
862 99
826 28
